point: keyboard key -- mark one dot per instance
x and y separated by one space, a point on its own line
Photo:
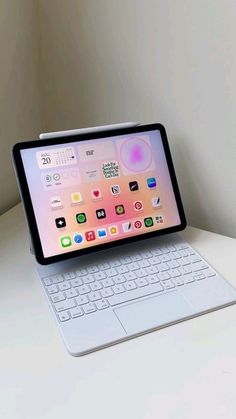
82 299
194 258
117 289
111 272
188 278
94 296
84 289
143 263
56 279
76 312
156 252
64 286
76 282
146 255
154 260
134 294
178 281
114 263
132 266
164 258
64 305
163 275
184 261
52 289
136 257
176 255
163 267
208 272
173 264
130 276
185 270
58 297
89 308
47 281
199 276
165 249
119 279
141 273
71 293
168 284
181 245
152 269
122 269
99 275
141 282
125 259
130 285
106 292
152 279
199 266
63 317
174 273
103 266
96 286
101 304
92 269
81 272
69 275
87 279
108 282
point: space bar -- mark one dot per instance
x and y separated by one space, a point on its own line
134 294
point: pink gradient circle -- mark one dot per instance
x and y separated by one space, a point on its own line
141 147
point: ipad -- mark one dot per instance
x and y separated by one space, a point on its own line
94 191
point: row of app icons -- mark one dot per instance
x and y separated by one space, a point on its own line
76 197
102 233
101 212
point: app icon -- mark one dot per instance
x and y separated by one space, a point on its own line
76 198
138 224
60 222
115 189
55 202
127 227
159 219
90 235
148 222
66 241
138 205
56 176
156 202
101 233
48 178
120 209
113 230
81 218
78 238
151 182
133 186
101 213
96 193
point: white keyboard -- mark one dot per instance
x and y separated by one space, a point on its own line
119 280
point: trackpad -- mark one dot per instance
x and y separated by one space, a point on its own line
153 312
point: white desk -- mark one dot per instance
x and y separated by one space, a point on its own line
186 371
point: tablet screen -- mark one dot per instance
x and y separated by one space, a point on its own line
86 193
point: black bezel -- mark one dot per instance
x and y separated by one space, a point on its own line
28 206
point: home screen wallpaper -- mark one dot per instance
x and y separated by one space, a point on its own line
85 193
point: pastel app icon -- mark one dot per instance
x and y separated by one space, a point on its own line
78 238
138 205
55 202
156 202
76 198
138 224
81 218
151 182
148 222
113 230
120 209
66 241
101 233
133 186
115 189
159 219
96 193
127 227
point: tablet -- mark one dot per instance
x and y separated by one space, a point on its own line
94 191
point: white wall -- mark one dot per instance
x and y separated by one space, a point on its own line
19 87
152 60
